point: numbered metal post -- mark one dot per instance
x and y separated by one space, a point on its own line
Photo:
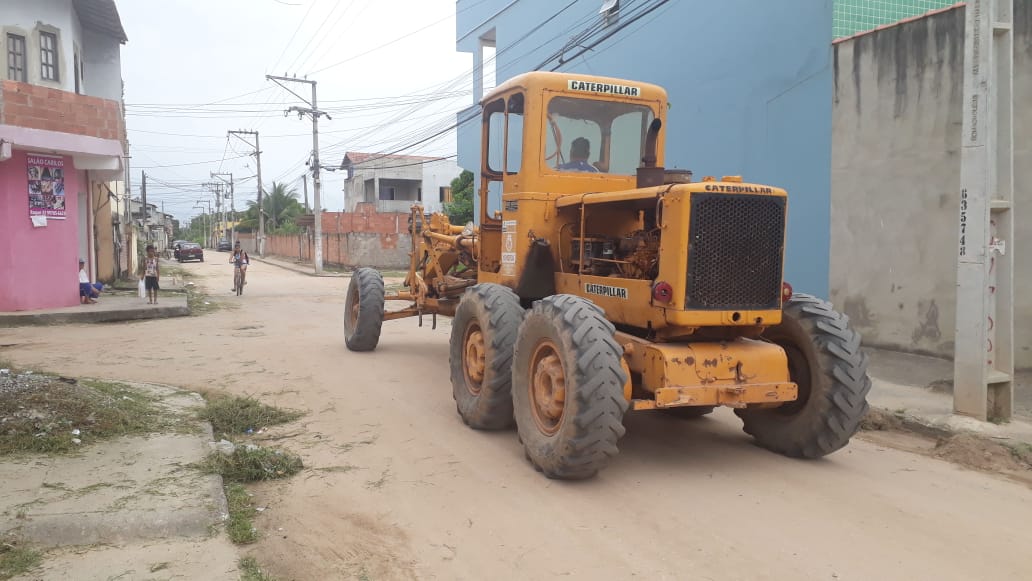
984 352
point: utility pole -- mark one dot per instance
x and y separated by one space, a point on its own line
232 203
313 112
258 162
143 198
983 362
304 180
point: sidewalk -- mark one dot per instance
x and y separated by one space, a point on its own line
109 308
124 508
299 267
919 390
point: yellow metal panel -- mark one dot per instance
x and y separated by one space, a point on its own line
729 395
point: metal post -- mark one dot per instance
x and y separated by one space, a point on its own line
984 342
143 198
304 180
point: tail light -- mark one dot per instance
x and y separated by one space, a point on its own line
662 292
786 291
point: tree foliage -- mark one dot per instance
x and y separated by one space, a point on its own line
460 209
280 208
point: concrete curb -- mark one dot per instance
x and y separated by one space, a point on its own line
298 268
178 308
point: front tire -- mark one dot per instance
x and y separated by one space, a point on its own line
568 387
363 310
825 360
482 341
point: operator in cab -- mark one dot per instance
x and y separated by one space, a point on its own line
580 151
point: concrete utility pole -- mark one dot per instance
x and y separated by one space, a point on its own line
983 369
143 199
232 202
304 180
314 112
258 162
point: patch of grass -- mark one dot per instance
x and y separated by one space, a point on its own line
253 463
239 526
235 415
250 570
1022 452
42 417
16 560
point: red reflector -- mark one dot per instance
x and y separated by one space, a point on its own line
662 292
786 291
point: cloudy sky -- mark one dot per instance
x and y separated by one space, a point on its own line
387 73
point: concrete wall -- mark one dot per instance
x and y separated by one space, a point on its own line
27 18
103 55
38 266
895 181
749 84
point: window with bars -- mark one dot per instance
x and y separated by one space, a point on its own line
16 58
48 56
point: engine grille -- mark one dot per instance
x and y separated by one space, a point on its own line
735 252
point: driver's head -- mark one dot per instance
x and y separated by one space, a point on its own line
580 149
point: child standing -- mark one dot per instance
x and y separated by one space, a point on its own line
151 273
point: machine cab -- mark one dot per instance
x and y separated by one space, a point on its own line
546 135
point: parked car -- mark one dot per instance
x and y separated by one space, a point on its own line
224 246
190 251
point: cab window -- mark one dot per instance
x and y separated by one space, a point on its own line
594 136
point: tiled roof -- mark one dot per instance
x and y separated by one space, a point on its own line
358 158
101 16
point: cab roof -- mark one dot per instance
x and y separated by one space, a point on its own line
589 85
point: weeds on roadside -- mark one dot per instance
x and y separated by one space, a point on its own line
251 571
253 463
235 414
52 413
239 526
16 560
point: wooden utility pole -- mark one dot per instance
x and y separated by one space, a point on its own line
983 372
312 111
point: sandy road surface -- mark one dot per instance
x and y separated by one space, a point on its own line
399 488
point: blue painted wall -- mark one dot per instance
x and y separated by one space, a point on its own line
749 82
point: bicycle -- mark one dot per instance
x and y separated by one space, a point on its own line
239 279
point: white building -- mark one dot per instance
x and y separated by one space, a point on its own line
395 182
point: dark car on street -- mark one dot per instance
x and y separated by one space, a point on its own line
190 251
175 247
224 246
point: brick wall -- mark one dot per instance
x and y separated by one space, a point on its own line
361 238
37 107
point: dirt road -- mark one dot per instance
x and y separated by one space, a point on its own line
399 488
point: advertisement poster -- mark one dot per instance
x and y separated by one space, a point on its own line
46 186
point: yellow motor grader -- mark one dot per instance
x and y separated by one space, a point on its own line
599 282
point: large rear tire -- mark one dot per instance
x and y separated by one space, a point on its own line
482 339
825 360
363 310
568 387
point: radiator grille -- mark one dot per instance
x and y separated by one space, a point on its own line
735 252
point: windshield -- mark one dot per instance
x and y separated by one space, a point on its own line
592 136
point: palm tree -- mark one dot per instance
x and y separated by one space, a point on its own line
280 207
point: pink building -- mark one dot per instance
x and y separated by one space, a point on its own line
62 144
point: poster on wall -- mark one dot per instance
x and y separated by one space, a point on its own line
46 186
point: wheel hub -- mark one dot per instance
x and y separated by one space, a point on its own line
547 388
475 358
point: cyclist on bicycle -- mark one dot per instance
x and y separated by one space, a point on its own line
240 260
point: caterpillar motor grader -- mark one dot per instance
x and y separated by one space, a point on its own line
597 282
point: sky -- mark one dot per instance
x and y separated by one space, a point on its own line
388 74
